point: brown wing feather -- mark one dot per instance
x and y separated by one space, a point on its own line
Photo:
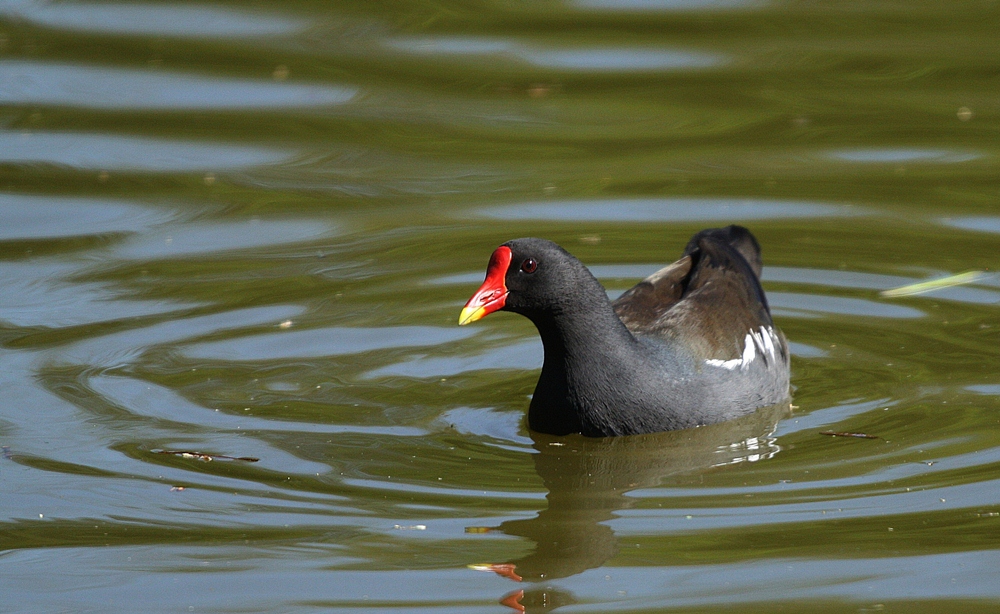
645 303
711 297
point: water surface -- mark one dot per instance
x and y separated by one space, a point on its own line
236 239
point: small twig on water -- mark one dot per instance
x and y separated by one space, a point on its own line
841 434
206 457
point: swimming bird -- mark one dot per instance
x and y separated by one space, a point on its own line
690 345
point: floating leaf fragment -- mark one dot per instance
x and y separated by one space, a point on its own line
922 287
842 434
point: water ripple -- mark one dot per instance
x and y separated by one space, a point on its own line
185 240
618 59
978 224
44 293
665 210
666 5
125 347
526 355
160 19
40 83
143 398
790 304
873 281
900 155
30 217
106 152
325 342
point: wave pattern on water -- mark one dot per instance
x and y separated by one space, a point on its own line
36 83
144 18
234 241
99 152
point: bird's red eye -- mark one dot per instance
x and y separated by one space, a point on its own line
529 265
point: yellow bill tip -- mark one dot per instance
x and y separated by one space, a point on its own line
470 314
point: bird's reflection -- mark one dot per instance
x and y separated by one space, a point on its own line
587 479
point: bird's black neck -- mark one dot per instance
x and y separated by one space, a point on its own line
585 344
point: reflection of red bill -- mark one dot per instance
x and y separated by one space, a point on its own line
513 601
501 569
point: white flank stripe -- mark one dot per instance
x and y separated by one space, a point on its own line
749 353
752 341
768 335
725 364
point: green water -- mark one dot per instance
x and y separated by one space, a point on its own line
246 229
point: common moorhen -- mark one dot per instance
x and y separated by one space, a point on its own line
692 344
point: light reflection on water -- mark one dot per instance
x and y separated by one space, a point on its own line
163 19
106 351
809 305
667 210
978 224
896 156
44 293
119 88
581 58
667 5
32 217
149 401
192 239
108 152
325 342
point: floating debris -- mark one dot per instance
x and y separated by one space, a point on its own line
6 452
412 527
858 435
967 277
206 457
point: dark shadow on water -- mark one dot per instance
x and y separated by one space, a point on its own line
587 481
